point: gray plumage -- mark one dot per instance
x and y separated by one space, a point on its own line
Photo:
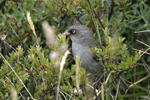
82 42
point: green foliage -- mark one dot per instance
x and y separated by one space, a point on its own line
40 74
114 52
115 23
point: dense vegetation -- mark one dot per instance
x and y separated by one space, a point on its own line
36 65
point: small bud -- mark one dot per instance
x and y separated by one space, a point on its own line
54 55
49 33
63 47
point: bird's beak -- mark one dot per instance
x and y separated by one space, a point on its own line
66 33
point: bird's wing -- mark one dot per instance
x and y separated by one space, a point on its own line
92 43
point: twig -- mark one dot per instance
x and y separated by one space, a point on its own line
122 18
99 19
77 18
137 83
110 82
144 52
141 51
95 84
117 89
117 76
123 12
61 69
147 69
142 31
111 9
14 86
90 16
143 43
17 76
9 24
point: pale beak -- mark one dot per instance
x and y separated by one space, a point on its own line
66 33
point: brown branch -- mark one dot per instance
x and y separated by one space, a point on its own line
123 11
111 9
90 15
96 15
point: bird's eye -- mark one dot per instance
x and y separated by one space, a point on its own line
73 31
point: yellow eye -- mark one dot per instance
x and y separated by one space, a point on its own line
73 31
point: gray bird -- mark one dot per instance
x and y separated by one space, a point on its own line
82 42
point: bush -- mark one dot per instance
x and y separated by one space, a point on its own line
30 69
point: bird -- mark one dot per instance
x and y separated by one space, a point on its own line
82 44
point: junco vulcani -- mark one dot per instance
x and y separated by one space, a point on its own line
82 42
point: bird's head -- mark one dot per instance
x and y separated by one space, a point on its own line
78 32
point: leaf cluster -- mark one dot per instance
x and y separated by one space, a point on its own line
32 69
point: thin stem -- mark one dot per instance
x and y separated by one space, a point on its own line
17 76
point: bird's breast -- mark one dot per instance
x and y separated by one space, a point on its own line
80 50
87 58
